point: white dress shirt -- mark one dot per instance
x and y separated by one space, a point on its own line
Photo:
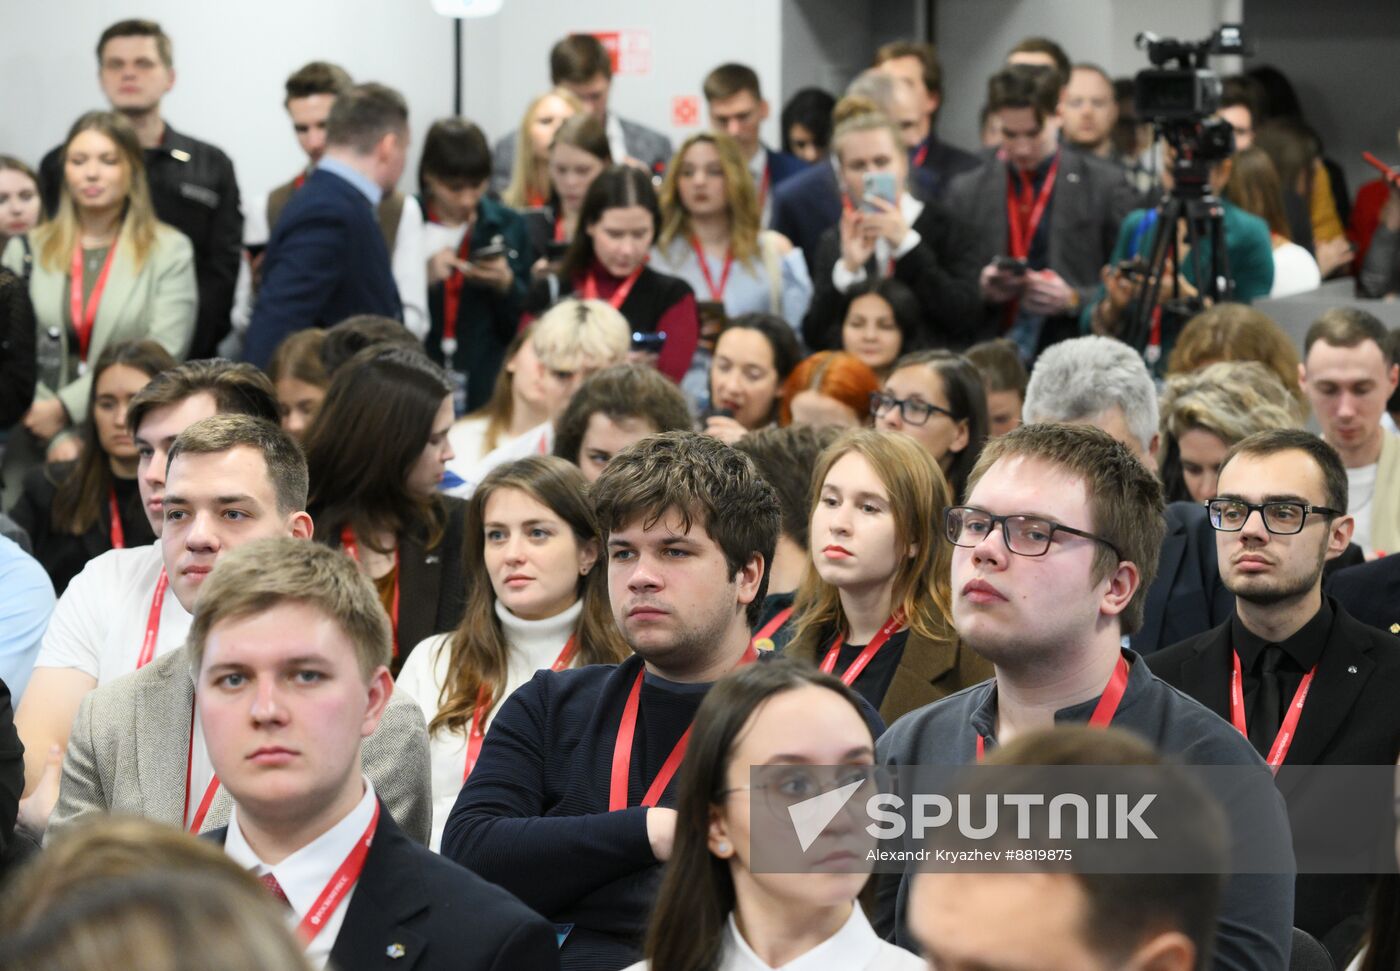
758 168
911 209
303 875
855 947
99 624
534 646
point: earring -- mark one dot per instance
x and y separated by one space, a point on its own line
722 848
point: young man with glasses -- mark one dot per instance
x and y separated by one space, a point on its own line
1306 682
1055 547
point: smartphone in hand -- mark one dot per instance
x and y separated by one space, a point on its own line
878 185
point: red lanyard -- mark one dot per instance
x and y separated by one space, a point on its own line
452 292
763 188
203 809
1284 739
299 181
559 236
535 201
1023 216
483 702
118 534
867 653
716 293
920 155
347 542
341 883
763 640
83 317
622 749
1103 711
590 287
148 645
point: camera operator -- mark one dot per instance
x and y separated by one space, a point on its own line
1247 246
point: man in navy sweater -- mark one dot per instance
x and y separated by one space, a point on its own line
327 259
567 805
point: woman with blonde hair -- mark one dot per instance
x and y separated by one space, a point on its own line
545 364
529 186
537 599
1235 332
885 232
711 238
875 604
1204 413
104 270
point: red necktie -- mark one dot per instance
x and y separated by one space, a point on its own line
275 888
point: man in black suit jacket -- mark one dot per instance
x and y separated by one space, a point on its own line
1187 597
290 648
1371 592
1288 644
1061 221
327 260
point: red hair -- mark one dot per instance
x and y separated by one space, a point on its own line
835 374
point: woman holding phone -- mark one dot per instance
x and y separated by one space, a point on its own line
886 233
578 152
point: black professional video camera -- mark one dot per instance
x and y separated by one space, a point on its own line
1180 100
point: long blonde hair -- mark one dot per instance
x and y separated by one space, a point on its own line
478 651
55 240
524 173
922 584
739 192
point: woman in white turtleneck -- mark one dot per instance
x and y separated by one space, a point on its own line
536 599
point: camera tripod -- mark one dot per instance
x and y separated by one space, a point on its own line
1193 207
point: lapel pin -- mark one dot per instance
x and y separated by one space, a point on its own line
1351 669
395 951
1395 628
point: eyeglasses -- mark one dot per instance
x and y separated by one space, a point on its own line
1025 535
914 411
1281 518
793 784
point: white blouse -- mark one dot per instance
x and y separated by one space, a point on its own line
855 947
535 645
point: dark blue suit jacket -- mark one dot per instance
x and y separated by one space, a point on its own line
415 909
782 166
805 206
1187 597
326 261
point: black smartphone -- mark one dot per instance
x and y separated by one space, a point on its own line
554 250
255 250
1010 264
651 343
1131 268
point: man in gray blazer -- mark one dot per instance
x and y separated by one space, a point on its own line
1047 216
135 746
580 64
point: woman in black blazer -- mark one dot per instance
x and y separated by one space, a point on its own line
376 453
74 511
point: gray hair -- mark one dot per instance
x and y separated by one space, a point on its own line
1080 379
876 85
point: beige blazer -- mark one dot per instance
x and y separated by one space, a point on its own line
1385 509
130 743
158 303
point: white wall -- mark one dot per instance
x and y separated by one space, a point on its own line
230 67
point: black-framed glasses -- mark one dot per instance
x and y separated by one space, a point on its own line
1024 535
912 410
1282 518
788 785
